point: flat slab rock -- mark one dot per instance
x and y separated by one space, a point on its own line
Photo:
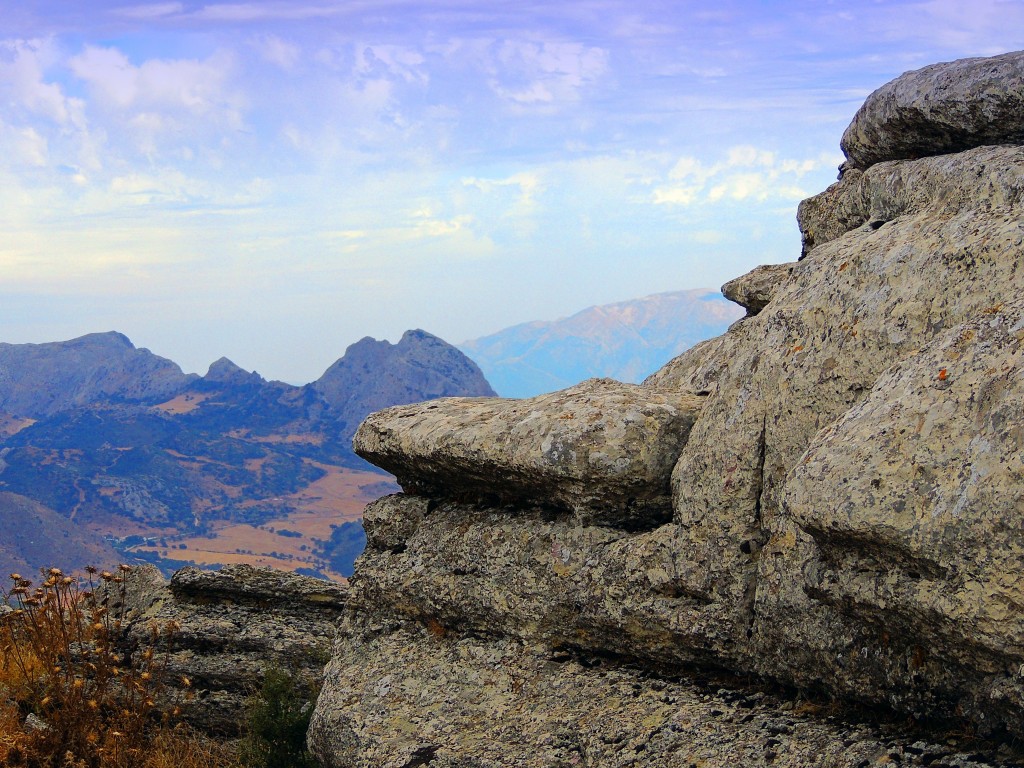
939 109
602 449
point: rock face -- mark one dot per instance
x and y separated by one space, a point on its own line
601 449
847 508
233 625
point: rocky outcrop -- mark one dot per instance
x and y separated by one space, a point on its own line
755 289
231 626
602 449
940 109
845 508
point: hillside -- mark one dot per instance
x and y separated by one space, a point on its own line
626 341
207 469
34 536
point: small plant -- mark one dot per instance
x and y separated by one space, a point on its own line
277 722
71 692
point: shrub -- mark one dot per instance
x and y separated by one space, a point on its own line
73 695
277 722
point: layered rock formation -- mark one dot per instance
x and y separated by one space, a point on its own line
231 626
844 507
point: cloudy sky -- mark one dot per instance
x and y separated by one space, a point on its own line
272 181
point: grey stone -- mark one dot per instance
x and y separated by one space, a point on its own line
230 626
602 449
845 505
940 109
755 289
458 701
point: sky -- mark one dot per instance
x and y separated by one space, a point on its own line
272 181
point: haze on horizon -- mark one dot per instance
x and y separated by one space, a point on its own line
272 181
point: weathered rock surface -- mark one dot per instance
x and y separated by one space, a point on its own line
913 500
939 109
846 508
602 449
754 290
232 625
459 701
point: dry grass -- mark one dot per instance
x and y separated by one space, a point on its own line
72 695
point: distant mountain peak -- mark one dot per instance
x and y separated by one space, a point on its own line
42 379
375 374
626 340
224 371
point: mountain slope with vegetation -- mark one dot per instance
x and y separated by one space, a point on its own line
120 443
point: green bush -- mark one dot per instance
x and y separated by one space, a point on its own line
277 722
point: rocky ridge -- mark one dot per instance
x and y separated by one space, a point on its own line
231 626
844 502
119 441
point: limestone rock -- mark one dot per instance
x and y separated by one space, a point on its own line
459 701
232 625
846 509
940 109
755 289
602 449
538 579
913 500
940 186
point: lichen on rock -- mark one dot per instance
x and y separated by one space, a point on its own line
828 496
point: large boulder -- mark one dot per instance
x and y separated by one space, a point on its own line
940 109
602 449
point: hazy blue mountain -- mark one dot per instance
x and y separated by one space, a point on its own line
42 379
115 440
627 341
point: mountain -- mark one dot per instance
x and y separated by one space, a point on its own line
42 379
376 374
626 341
34 536
119 442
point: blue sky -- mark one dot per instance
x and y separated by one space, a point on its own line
272 181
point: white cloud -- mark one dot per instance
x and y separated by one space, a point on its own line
22 73
264 11
400 61
149 10
746 174
546 72
28 147
528 184
197 86
278 51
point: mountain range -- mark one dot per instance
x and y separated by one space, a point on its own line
626 341
103 444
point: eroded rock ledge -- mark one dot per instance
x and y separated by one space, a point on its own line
602 449
233 625
842 514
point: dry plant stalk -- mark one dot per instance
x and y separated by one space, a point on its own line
84 698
